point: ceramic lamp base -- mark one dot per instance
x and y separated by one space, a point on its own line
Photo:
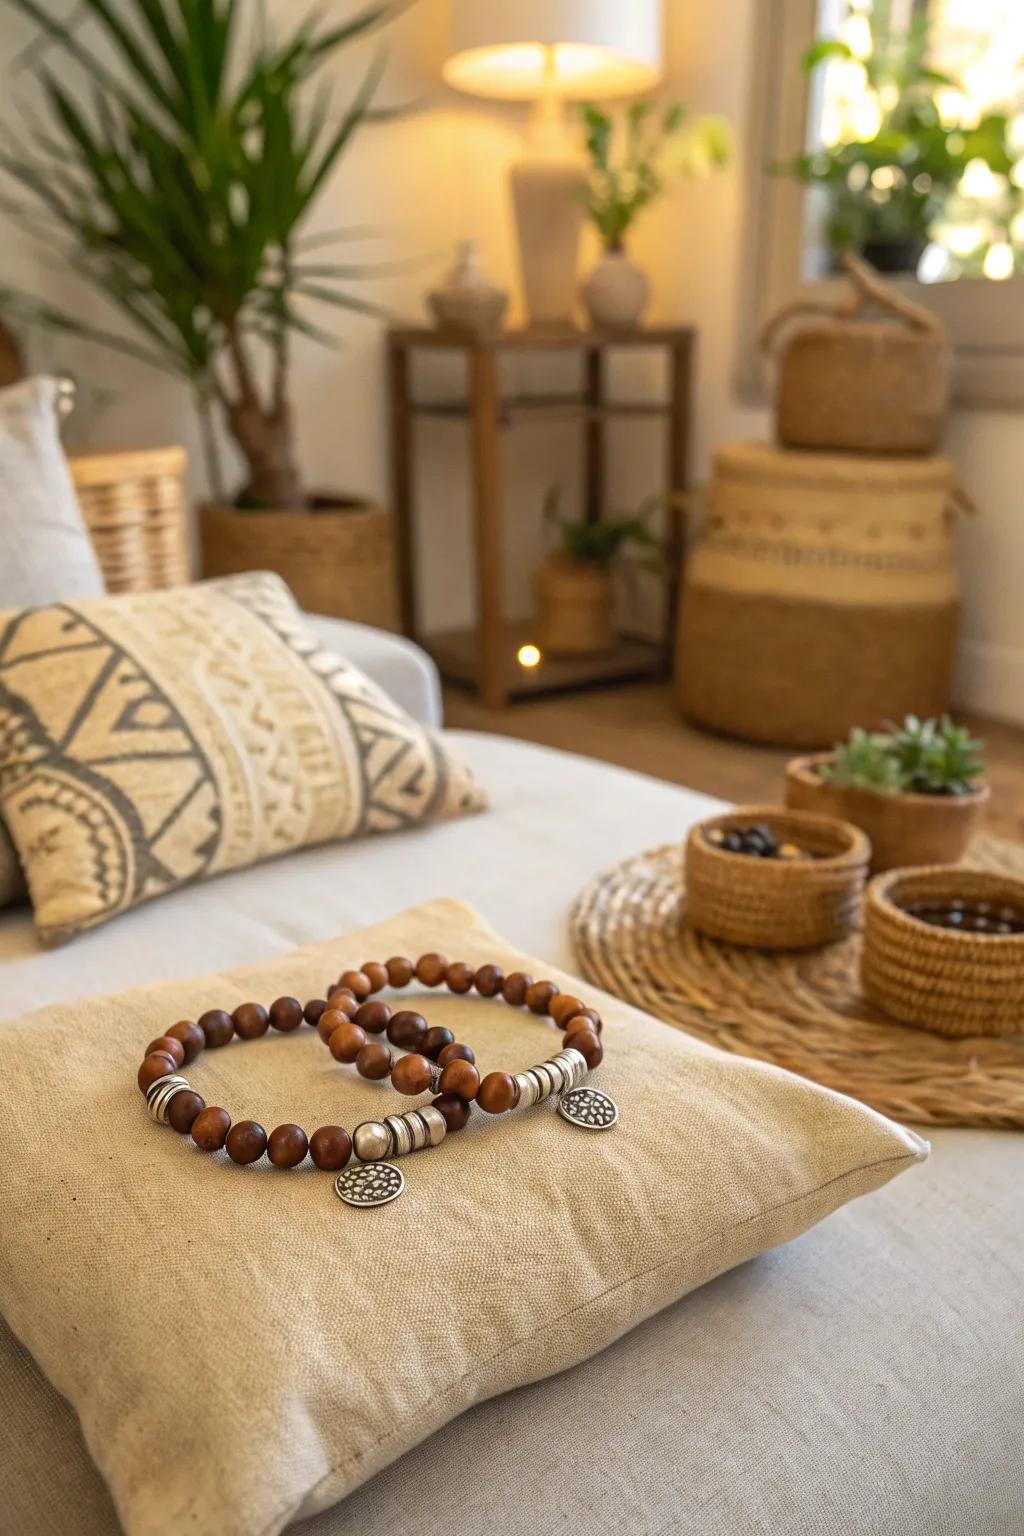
547 197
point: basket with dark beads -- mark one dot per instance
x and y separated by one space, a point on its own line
770 878
944 949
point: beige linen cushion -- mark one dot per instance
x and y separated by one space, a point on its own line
147 741
241 1348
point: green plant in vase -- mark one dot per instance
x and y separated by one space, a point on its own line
920 757
631 162
176 178
575 583
896 163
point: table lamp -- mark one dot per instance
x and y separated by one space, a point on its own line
548 52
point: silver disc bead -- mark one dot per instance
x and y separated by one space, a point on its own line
371 1141
437 1125
529 1089
401 1135
553 1076
162 1092
418 1126
576 1062
543 1082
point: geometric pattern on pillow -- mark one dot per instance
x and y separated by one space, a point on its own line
147 741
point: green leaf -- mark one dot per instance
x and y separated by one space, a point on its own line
824 50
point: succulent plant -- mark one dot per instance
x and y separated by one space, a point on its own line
920 757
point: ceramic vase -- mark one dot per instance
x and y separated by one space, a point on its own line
468 301
616 293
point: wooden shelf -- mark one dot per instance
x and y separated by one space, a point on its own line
524 408
537 338
457 654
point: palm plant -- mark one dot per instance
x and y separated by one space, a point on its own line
177 184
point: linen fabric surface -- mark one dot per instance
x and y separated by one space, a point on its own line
151 740
242 1349
46 554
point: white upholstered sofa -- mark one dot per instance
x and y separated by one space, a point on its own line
867 1380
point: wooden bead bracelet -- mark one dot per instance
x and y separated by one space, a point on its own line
436 1063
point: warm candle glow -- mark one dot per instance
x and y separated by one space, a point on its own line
529 656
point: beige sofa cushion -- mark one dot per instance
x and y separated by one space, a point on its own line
151 740
241 1348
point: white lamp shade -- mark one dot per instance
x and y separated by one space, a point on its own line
582 48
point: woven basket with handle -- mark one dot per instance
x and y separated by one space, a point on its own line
136 512
852 384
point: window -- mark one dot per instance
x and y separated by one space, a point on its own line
909 139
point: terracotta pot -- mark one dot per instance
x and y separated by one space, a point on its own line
338 557
905 830
576 602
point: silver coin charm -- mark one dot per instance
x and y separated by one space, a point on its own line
369 1184
589 1108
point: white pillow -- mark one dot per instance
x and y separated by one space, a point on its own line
46 555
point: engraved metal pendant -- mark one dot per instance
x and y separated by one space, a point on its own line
589 1108
369 1184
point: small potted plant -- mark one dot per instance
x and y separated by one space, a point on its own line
895 161
628 170
575 587
917 790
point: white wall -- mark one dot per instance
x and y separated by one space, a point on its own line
438 174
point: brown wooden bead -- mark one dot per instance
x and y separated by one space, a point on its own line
374 1061
586 1042
217 1028
373 1017
246 1142
250 1020
497 1093
435 1040
287 1145
191 1037
455 1052
456 1111
411 1074
540 995
156 1065
592 1017
488 980
347 1041
183 1110
170 1045
407 1029
564 1007
461 1078
357 984
431 969
376 974
330 1147
329 1021
210 1128
400 971
514 987
459 976
286 1014
313 1009
341 998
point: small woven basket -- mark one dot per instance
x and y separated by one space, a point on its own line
777 903
945 980
135 509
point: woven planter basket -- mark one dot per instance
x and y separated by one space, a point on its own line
903 830
338 560
858 385
135 509
775 903
821 594
942 979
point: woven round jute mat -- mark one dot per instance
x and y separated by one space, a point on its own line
801 1010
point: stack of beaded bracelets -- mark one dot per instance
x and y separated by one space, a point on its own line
436 1062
